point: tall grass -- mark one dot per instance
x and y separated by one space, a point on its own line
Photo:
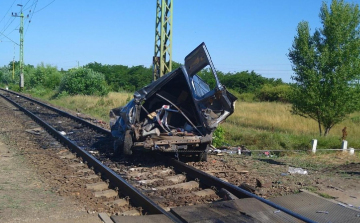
95 106
257 125
268 125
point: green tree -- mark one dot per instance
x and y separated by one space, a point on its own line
326 66
83 81
43 75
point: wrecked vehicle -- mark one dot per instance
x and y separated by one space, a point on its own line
176 113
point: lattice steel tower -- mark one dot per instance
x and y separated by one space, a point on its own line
163 38
21 59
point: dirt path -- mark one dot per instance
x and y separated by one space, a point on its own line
24 196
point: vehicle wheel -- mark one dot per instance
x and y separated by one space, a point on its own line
117 148
128 143
204 154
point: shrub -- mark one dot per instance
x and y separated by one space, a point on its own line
279 93
218 137
83 81
45 76
247 97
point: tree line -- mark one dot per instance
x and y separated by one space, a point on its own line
98 79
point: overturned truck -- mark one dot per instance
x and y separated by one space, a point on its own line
176 113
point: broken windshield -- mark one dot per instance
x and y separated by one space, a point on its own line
200 87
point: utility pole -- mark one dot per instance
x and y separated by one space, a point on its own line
13 73
21 59
163 38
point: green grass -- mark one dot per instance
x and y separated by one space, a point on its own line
257 125
270 126
324 195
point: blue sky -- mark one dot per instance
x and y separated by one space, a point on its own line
240 35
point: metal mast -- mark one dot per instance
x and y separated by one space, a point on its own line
163 38
21 59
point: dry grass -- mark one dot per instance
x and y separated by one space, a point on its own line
258 125
276 117
96 106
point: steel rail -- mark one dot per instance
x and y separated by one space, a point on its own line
209 180
137 198
192 172
80 120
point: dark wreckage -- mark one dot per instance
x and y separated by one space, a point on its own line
177 113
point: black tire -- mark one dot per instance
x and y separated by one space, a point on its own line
204 154
117 149
128 143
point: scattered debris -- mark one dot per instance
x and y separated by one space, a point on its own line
227 171
336 188
35 131
258 183
226 195
240 150
293 170
247 187
99 121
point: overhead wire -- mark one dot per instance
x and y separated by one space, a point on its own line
32 14
26 3
16 28
9 38
44 6
30 6
7 26
7 11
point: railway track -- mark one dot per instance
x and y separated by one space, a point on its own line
145 184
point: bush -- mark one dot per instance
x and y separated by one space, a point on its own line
218 137
247 97
83 81
6 76
44 76
279 93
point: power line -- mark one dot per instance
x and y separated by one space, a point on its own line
31 5
7 11
7 24
44 6
8 38
26 3
32 14
17 28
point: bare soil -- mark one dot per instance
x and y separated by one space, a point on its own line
25 193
